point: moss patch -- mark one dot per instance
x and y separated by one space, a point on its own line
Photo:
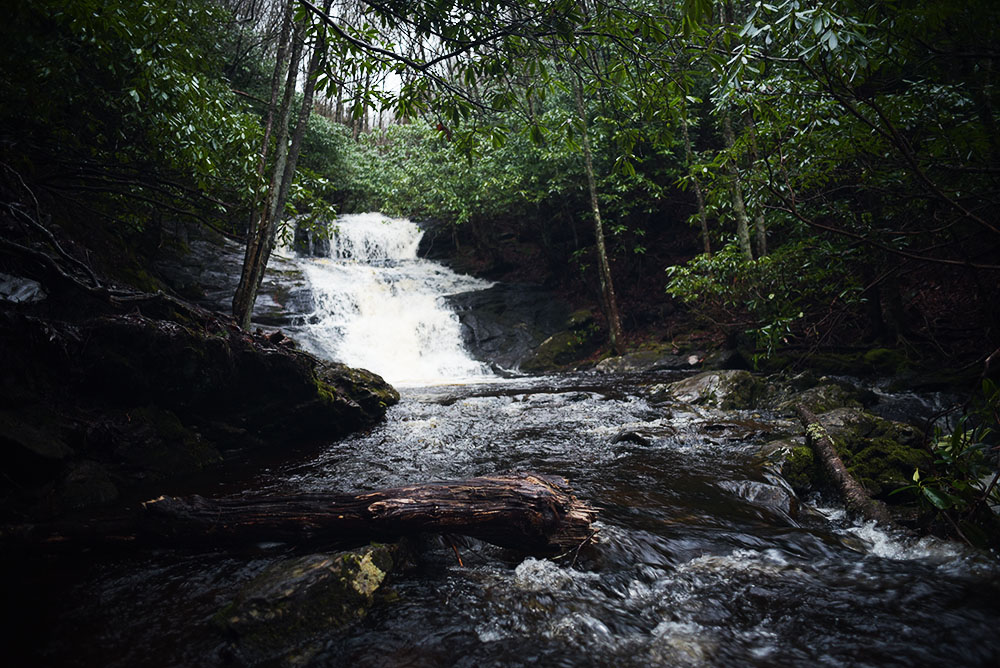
281 611
881 454
800 469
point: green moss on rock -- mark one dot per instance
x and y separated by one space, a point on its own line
732 389
799 468
881 454
563 349
280 612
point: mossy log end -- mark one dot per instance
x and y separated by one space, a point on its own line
855 497
527 512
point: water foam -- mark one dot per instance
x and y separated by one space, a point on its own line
380 307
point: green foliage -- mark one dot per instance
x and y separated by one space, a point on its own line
771 297
962 486
129 88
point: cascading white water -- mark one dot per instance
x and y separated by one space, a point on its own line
380 307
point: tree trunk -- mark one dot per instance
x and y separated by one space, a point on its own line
699 195
318 54
855 497
260 241
528 512
760 229
616 336
739 209
280 67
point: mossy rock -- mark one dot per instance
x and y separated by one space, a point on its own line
885 361
731 389
823 398
563 349
279 614
800 469
881 454
580 320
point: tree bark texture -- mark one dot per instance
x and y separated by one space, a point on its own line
528 512
856 498
604 268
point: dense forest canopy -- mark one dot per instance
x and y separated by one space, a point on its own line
799 174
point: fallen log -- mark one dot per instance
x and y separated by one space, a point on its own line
528 512
856 498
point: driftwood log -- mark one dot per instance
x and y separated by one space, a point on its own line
528 512
856 498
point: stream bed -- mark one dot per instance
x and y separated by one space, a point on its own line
702 558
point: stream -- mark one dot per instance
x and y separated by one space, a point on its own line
702 557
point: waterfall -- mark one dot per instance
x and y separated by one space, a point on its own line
381 308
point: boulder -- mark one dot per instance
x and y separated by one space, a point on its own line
646 361
880 454
155 397
726 389
822 398
580 339
283 614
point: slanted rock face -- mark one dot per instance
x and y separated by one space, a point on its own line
505 323
726 389
204 267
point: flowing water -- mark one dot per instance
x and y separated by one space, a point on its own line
701 559
380 307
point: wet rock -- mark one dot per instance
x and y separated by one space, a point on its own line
881 454
281 614
154 440
726 389
506 323
771 496
565 348
150 399
629 436
646 361
204 267
18 290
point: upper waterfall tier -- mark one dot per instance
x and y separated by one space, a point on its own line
380 307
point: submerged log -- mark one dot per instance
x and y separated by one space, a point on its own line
528 512
856 498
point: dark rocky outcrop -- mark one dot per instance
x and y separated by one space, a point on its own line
506 323
102 404
567 348
203 267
